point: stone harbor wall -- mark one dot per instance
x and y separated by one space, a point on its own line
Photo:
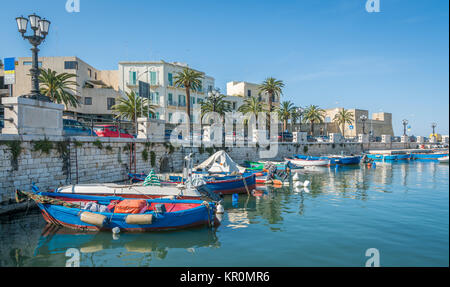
55 161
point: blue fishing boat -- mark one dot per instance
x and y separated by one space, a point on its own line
133 215
231 184
137 177
429 156
334 159
389 156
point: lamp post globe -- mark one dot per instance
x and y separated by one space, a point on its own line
40 28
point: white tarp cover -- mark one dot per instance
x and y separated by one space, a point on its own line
220 162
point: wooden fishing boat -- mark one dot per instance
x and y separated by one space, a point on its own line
309 162
231 184
132 190
131 215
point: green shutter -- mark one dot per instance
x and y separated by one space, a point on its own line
170 79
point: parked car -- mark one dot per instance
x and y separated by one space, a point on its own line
311 139
322 139
285 137
111 131
75 128
167 134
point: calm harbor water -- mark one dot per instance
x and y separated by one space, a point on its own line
401 209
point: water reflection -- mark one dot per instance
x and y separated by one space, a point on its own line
27 241
137 249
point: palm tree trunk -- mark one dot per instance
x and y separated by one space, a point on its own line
312 128
188 111
270 110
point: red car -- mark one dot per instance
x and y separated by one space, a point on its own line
111 131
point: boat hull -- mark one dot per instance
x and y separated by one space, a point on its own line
232 185
308 162
70 217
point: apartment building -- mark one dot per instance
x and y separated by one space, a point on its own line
160 77
96 90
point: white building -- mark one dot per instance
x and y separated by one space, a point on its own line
163 93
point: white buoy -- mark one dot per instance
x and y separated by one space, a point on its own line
115 232
220 209
296 177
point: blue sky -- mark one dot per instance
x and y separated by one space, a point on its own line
329 53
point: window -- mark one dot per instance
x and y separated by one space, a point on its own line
88 101
234 105
210 88
170 117
153 78
29 63
170 76
154 98
132 78
170 99
249 93
96 75
90 73
192 101
181 100
110 102
71 65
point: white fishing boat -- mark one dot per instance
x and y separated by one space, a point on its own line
443 159
149 190
131 191
308 162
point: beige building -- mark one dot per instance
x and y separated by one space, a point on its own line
96 89
377 125
247 90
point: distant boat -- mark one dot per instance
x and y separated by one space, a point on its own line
155 215
389 156
334 159
434 156
443 159
310 162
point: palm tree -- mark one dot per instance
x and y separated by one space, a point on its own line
58 87
313 114
252 106
189 80
215 102
343 117
295 116
133 107
285 112
273 88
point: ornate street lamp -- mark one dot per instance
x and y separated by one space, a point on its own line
363 118
40 28
433 126
405 123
